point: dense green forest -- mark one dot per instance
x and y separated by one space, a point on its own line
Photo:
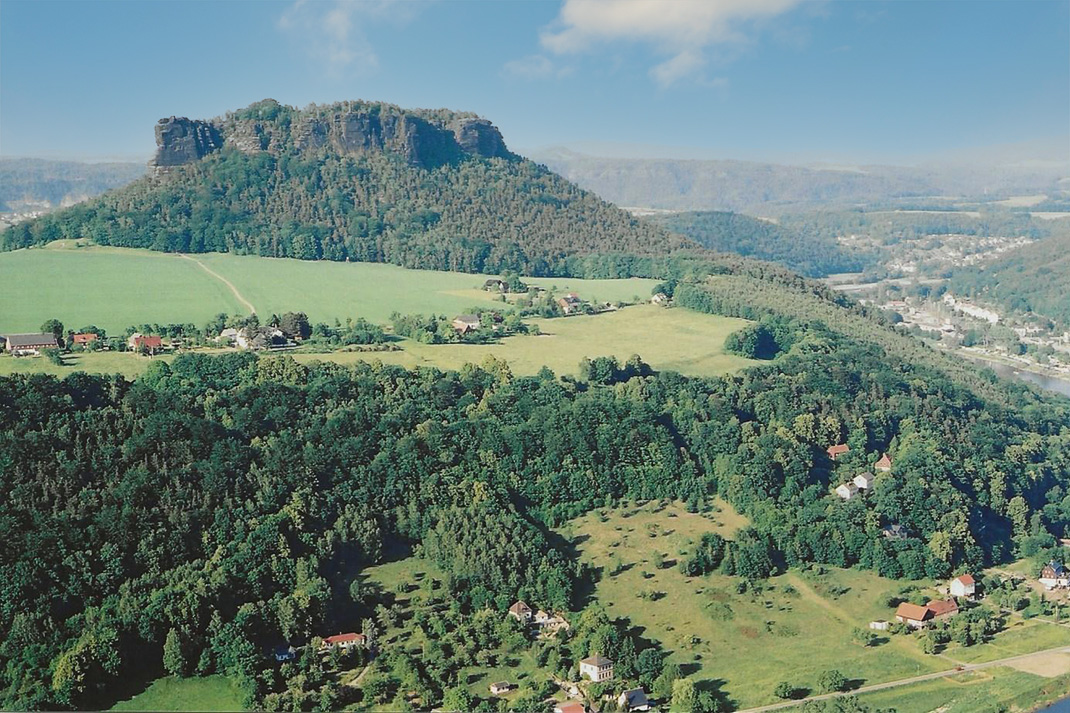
1035 278
810 253
234 501
468 213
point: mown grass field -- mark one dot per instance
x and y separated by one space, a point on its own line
211 693
117 287
675 339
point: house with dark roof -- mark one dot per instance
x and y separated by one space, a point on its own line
465 323
633 700
285 652
521 612
1055 576
864 481
597 668
496 285
895 531
30 344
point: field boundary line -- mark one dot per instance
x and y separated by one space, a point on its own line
225 281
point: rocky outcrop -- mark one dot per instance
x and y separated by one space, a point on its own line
424 139
180 141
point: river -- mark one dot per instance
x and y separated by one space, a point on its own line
1062 706
1051 383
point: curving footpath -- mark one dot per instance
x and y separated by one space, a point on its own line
225 281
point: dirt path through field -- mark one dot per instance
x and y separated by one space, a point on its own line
1033 660
225 281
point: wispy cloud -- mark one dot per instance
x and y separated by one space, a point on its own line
535 66
682 30
332 32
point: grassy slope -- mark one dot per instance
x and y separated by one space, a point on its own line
213 693
677 339
116 287
991 691
798 627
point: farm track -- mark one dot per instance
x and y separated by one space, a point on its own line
906 681
230 285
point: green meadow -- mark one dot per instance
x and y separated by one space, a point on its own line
118 287
211 693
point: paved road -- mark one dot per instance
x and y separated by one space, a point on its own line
907 681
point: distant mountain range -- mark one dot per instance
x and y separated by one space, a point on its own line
28 184
758 188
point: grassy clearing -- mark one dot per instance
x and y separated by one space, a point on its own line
212 693
118 287
671 339
674 339
799 626
1020 637
988 691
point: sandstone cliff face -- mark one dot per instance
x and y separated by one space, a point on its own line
352 130
180 140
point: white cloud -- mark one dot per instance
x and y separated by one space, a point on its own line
681 29
332 31
535 66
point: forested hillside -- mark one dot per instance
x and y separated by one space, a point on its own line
1033 279
353 181
807 252
233 500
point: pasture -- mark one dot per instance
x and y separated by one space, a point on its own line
115 288
792 629
211 693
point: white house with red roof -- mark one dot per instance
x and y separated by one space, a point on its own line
963 586
343 641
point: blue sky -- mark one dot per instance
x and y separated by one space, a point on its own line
779 80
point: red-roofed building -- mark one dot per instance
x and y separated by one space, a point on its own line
963 586
913 615
84 338
884 464
570 707
150 344
342 641
943 608
838 450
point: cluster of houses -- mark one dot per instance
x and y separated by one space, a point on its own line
255 338
547 623
918 616
863 481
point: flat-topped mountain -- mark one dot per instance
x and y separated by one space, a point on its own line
423 138
353 181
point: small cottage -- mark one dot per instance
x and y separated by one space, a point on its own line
342 641
847 490
633 700
884 465
943 608
521 612
500 687
465 323
913 615
962 586
570 707
864 481
879 625
838 450
1055 576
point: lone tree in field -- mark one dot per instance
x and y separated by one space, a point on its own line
832 682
